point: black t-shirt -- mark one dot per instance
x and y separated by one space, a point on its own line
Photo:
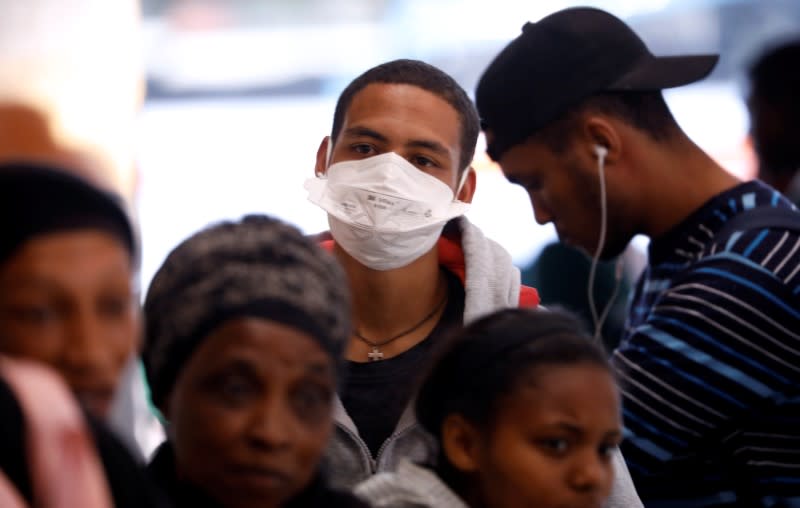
376 393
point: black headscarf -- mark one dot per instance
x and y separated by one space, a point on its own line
37 199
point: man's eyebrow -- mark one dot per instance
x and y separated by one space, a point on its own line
362 131
523 178
513 178
433 146
359 131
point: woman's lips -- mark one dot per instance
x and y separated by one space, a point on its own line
266 476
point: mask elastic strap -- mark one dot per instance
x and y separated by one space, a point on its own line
464 175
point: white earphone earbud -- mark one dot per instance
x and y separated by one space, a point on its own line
601 151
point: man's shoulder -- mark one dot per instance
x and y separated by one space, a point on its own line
763 269
728 312
762 244
760 226
760 241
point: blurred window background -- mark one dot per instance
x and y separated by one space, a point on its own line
239 93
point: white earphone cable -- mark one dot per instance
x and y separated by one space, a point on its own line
601 242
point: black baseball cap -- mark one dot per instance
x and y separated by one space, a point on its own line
564 58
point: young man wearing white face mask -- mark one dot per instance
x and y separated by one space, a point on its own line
394 177
395 180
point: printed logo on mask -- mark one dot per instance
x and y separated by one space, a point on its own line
382 210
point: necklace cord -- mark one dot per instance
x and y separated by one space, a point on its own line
424 320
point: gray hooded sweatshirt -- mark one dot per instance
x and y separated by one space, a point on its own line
492 283
413 486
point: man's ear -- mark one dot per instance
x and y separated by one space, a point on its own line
599 131
461 443
468 189
321 165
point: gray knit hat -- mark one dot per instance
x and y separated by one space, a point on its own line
259 267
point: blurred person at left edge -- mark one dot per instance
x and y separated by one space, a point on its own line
67 300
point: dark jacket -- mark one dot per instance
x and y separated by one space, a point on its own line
317 494
129 484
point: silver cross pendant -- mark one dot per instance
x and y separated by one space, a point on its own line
375 355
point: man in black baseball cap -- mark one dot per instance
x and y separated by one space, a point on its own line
562 60
573 111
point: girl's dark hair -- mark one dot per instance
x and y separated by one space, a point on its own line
488 360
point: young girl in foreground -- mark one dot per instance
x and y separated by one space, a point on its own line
527 413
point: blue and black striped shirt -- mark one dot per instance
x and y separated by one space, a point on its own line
710 363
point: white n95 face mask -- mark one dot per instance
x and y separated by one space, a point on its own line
382 210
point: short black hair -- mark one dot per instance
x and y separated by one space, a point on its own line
426 77
776 73
774 83
486 361
646 111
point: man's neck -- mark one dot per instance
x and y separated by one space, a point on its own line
685 183
388 302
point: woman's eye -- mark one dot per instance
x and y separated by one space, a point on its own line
607 450
33 314
114 307
235 391
555 446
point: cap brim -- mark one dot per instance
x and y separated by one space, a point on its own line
666 72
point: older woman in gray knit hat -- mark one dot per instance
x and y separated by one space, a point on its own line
246 325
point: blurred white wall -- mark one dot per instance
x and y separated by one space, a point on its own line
79 62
